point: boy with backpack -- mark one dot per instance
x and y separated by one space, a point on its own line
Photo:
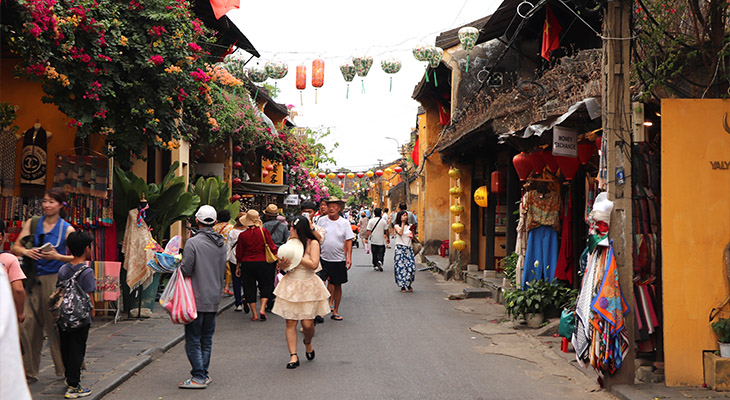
77 280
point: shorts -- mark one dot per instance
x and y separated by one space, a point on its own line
335 271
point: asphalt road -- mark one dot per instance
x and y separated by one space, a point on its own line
390 345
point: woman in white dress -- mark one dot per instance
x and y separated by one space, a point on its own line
301 295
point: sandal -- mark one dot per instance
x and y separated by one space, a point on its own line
262 316
336 317
310 356
254 318
292 365
410 289
403 290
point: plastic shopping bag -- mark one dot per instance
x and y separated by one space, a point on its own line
367 247
178 299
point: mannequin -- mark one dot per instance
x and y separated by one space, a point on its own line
34 159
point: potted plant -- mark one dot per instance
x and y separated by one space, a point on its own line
530 303
509 265
722 329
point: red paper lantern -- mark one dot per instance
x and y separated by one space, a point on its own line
522 165
237 149
237 164
341 175
379 173
538 163
235 197
301 77
599 142
360 174
270 167
568 166
498 184
585 151
318 73
552 165
264 173
322 175
398 170
236 181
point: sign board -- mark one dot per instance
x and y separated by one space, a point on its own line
291 200
565 142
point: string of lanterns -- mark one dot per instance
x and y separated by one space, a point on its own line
457 209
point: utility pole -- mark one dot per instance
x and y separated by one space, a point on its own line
617 140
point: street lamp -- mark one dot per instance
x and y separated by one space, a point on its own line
402 153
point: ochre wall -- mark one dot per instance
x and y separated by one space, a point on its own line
696 229
436 221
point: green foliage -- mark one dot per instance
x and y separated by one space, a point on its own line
318 152
360 199
215 192
334 189
168 202
509 265
722 329
540 296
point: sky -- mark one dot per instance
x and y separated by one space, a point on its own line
298 32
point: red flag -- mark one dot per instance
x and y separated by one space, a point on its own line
550 34
415 154
221 7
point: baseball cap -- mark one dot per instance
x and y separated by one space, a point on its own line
206 215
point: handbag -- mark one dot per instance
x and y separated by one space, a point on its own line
270 256
28 266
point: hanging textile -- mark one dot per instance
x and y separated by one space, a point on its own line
564 268
135 256
521 245
541 256
107 280
87 175
8 155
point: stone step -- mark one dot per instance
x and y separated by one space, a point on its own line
477 293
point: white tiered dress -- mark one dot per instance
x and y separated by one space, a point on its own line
300 295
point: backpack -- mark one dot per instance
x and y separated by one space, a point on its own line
70 305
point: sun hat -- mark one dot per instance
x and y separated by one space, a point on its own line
206 215
292 250
335 199
251 218
271 210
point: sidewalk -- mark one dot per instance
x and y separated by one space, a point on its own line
115 352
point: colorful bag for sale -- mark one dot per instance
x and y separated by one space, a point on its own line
178 299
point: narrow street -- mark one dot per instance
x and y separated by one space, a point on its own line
390 345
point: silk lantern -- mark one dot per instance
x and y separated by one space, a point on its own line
350 175
398 170
264 173
237 164
549 158
362 66
388 171
317 76
468 37
301 81
568 166
379 172
538 163
437 54
481 196
585 151
497 182
456 191
455 173
332 175
256 74
236 181
522 165
369 174
456 209
341 175
360 174
348 71
269 167
237 149
276 70
458 227
459 245
390 66
321 175
422 52
312 174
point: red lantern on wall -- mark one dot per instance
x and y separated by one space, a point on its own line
538 163
379 173
317 76
301 80
237 164
322 175
497 182
341 175
522 165
568 166
552 165
235 198
398 170
585 151
237 149
236 181
360 174
269 167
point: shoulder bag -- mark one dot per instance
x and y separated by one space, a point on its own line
270 256
28 267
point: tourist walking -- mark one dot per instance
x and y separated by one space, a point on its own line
404 261
240 303
378 238
204 261
363 225
278 229
252 267
336 254
47 250
73 341
15 276
223 227
301 295
12 378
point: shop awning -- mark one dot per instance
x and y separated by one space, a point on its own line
589 108
260 188
228 32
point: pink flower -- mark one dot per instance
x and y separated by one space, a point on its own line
195 47
157 60
73 122
200 75
35 30
100 114
85 58
181 95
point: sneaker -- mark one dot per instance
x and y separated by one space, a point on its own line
238 308
208 380
380 266
191 384
76 392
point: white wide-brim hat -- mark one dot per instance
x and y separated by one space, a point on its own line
292 250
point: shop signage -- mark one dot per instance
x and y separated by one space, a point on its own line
291 200
565 142
720 164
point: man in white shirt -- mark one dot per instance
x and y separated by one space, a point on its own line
377 235
336 253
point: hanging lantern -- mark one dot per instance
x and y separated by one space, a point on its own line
237 149
264 173
599 143
276 70
585 151
301 81
568 166
468 37
362 65
538 163
422 52
459 245
388 171
350 175
455 173
379 172
456 191
522 165
348 72
317 76
237 164
341 175
235 66
390 66
458 227
269 167
321 175
360 174
398 170
312 174
256 74
369 174
332 175
549 158
497 182
456 209
235 198
481 196
437 54
236 181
